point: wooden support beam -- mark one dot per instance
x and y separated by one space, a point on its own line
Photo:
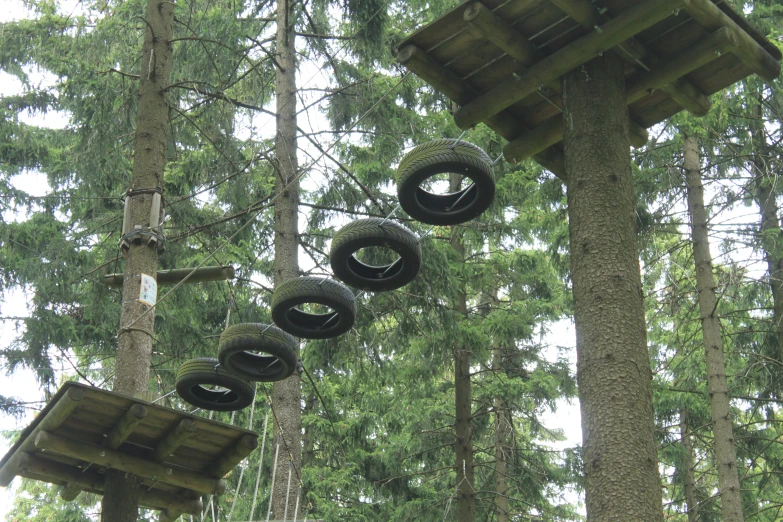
443 80
118 434
172 277
54 417
233 456
185 429
680 90
688 96
628 23
500 33
53 472
702 53
130 464
748 50
551 132
125 426
169 515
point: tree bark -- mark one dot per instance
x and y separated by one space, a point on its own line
689 482
725 456
766 199
134 352
286 395
613 365
463 428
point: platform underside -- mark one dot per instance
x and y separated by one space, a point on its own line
502 61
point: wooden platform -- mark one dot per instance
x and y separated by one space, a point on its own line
502 61
84 430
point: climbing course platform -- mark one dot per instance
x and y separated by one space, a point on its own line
502 61
84 430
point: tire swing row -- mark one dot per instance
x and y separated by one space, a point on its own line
265 353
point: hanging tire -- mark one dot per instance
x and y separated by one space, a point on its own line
442 157
258 352
302 290
374 232
234 392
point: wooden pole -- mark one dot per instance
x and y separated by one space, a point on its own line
46 470
130 464
53 419
137 317
749 50
628 23
172 277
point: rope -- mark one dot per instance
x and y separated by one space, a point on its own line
242 470
272 489
260 465
288 490
298 497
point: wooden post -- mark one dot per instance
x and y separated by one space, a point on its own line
129 464
46 470
172 277
749 50
617 30
233 456
185 429
53 419
497 31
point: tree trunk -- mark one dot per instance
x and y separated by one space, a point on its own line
286 395
134 352
725 456
691 505
463 428
613 366
766 199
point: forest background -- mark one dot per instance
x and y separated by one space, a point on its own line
378 412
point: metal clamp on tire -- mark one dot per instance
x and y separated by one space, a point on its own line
442 157
227 392
375 232
313 290
258 352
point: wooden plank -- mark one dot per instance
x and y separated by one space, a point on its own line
130 464
499 32
233 456
456 90
748 50
56 415
557 64
90 480
172 277
185 429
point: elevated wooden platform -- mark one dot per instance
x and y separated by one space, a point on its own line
502 61
84 430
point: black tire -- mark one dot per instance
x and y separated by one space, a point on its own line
239 349
374 232
441 157
194 374
327 292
